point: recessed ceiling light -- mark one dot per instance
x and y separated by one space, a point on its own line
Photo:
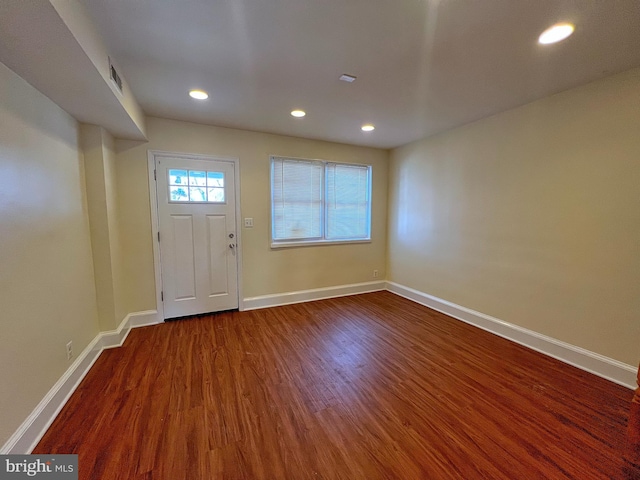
368 128
556 33
199 94
347 78
298 113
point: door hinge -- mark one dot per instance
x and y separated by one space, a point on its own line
154 175
162 296
158 236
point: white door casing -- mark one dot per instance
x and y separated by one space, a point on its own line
196 209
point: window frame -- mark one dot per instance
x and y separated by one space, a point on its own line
311 241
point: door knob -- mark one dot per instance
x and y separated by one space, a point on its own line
232 245
231 235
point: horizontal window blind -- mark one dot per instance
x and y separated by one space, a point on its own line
296 199
316 201
347 202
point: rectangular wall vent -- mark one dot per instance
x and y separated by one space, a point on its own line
114 76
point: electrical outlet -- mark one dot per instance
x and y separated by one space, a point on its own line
375 274
69 350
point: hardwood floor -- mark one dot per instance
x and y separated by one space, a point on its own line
365 387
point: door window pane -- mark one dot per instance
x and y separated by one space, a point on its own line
215 179
197 178
216 194
178 177
197 194
196 186
178 194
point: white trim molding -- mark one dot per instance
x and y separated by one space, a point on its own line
287 298
599 365
27 436
115 338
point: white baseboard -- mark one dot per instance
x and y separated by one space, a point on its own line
144 319
115 338
300 296
24 440
604 367
27 436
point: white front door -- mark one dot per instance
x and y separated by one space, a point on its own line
197 228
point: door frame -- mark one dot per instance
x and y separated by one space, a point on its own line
153 201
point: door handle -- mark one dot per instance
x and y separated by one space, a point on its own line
232 246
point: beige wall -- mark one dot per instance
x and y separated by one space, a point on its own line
265 271
100 177
113 215
47 294
531 216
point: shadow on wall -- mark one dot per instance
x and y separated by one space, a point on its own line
28 109
124 145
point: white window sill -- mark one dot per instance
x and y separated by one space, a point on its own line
315 243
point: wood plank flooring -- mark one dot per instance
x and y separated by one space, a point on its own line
365 387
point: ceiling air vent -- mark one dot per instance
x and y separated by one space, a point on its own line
114 76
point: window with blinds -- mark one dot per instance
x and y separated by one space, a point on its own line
317 201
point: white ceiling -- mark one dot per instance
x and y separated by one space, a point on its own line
423 66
